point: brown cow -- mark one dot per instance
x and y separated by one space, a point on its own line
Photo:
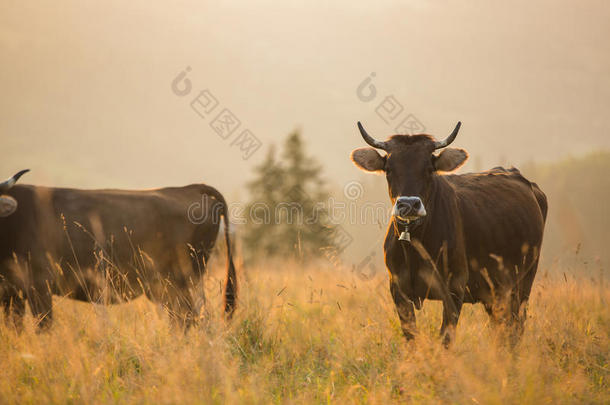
108 246
473 237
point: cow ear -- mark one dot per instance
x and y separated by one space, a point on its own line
450 159
8 205
368 159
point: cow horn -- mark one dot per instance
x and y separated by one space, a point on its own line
370 140
449 139
7 184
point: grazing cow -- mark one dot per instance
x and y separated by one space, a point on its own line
108 246
471 238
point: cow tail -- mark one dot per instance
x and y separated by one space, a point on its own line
231 284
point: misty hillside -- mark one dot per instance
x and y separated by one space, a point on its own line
578 225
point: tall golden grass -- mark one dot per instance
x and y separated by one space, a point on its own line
313 335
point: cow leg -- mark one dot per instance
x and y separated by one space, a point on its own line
199 258
524 290
453 298
176 299
507 313
180 308
14 309
517 319
452 307
489 308
404 307
40 299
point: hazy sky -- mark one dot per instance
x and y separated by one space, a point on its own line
86 97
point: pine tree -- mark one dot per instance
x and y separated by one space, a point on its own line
292 192
304 188
262 234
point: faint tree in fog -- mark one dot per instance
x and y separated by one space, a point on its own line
286 213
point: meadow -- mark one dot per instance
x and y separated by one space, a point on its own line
305 334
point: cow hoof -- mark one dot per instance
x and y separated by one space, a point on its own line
409 336
446 341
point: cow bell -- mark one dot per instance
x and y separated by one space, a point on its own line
405 235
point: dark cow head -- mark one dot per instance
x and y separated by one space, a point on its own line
410 163
8 204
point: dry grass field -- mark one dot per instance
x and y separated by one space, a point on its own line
305 335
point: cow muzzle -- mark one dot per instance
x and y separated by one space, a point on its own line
408 209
